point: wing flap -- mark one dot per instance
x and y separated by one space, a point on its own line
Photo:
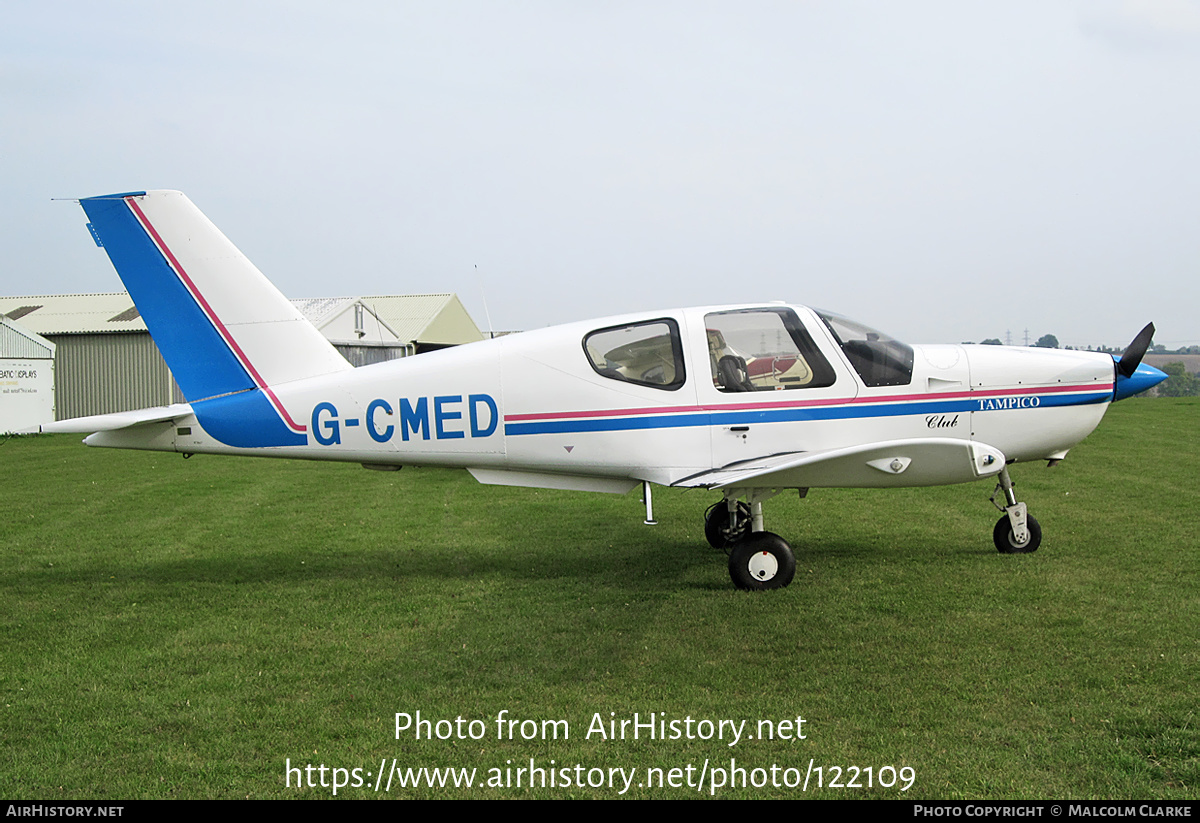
546 480
887 464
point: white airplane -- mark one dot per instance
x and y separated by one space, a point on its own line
746 400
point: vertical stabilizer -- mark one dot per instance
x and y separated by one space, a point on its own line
220 325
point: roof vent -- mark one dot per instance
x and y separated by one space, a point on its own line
128 314
21 311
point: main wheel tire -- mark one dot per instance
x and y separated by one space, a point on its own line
716 525
762 561
1002 536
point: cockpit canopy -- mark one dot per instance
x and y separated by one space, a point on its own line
749 350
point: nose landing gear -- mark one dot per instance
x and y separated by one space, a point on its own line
1016 532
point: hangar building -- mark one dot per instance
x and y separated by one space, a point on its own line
105 360
26 378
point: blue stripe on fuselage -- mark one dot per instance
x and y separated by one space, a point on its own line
741 417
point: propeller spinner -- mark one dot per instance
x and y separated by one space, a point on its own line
1132 376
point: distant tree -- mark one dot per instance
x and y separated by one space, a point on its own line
1179 383
1047 341
992 341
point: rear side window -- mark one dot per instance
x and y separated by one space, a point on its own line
649 354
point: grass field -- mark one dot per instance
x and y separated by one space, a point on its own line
185 629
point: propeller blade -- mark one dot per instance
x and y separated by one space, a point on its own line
1134 352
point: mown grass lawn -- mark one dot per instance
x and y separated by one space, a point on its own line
185 629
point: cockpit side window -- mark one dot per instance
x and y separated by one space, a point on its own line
879 359
649 354
763 350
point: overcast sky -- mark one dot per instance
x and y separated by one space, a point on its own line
946 171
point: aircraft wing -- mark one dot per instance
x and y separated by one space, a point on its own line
892 463
119 420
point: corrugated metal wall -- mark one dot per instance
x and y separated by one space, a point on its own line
103 373
368 355
19 347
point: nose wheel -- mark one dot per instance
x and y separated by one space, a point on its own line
1006 541
1016 532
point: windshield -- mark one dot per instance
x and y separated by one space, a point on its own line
879 359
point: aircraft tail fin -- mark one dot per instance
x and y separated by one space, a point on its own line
227 334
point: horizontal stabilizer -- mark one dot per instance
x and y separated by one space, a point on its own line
118 420
894 463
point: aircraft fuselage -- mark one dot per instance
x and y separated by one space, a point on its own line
537 403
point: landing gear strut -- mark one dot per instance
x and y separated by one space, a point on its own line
1016 532
758 559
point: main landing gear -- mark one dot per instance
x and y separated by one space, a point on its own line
1016 532
758 559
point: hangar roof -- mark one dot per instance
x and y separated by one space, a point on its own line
428 318
74 313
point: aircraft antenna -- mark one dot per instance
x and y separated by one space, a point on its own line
487 315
